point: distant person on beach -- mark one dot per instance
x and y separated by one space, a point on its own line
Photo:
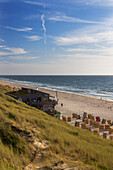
56 97
56 94
34 100
20 99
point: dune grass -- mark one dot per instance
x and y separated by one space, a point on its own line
20 122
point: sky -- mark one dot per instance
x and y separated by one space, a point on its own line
56 37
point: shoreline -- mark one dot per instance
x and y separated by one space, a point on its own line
76 94
49 89
75 102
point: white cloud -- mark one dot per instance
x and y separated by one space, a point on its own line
65 18
1 40
43 25
95 2
32 58
106 36
88 50
23 58
16 50
100 2
102 51
89 43
5 53
69 65
72 2
12 51
75 40
2 46
36 3
79 50
78 56
33 38
93 34
25 29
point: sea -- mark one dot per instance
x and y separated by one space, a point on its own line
95 86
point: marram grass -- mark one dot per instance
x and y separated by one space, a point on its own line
67 143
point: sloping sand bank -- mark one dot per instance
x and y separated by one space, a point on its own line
76 103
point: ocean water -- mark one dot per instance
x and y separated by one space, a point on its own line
95 86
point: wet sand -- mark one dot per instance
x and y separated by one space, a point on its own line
75 103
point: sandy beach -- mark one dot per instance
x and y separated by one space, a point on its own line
75 103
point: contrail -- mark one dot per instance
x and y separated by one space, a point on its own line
43 25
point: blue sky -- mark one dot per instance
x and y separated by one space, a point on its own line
65 37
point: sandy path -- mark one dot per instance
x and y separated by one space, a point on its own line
76 103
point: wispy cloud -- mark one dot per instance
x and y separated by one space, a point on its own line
104 51
2 46
44 28
16 50
91 34
23 58
77 56
36 3
100 2
75 40
93 42
94 2
64 18
80 50
33 38
1 40
12 51
25 29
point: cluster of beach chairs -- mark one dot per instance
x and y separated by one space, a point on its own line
96 125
